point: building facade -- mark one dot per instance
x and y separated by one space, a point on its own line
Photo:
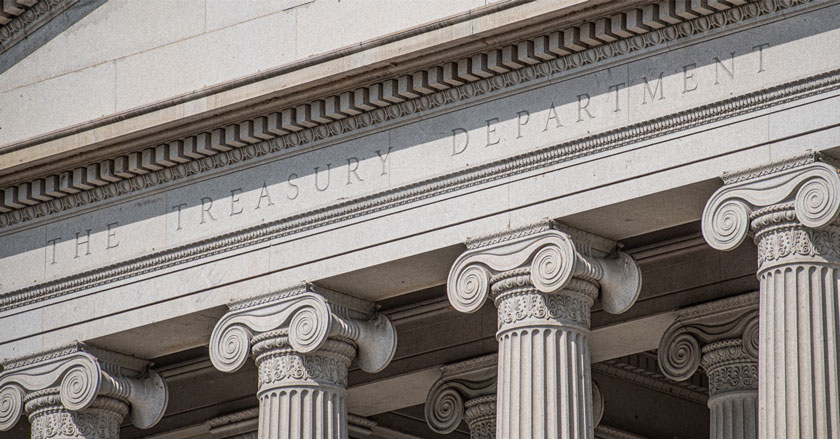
371 219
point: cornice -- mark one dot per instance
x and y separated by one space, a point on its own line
307 124
19 19
319 59
481 174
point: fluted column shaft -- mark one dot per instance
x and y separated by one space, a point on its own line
544 284
544 388
302 339
302 395
792 208
733 390
799 345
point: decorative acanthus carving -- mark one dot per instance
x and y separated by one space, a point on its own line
544 262
305 316
729 367
75 384
803 190
303 339
681 349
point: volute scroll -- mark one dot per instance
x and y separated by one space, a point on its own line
552 260
810 186
309 316
80 374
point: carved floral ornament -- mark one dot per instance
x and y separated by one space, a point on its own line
705 334
803 188
552 260
81 373
309 316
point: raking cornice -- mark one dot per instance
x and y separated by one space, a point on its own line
307 125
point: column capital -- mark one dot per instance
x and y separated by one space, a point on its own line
709 334
467 391
460 383
75 376
305 316
803 189
552 257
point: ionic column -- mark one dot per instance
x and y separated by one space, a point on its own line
79 391
467 391
303 339
790 208
722 338
544 280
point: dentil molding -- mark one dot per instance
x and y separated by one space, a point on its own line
375 202
652 24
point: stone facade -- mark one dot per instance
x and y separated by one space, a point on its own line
463 219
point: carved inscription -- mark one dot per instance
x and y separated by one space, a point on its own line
83 243
272 191
281 189
588 106
280 195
